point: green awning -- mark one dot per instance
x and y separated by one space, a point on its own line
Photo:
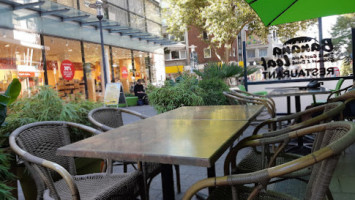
273 12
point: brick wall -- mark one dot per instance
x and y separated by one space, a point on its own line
195 39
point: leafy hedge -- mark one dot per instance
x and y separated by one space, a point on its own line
46 105
169 97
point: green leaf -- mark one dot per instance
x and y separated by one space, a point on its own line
13 90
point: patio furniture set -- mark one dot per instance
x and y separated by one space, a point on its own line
195 136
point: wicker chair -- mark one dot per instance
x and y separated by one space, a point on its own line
257 159
109 118
55 176
337 136
243 98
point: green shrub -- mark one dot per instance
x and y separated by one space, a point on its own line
213 91
46 105
169 97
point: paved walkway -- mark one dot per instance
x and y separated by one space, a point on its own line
341 186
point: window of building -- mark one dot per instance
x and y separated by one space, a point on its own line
122 65
205 36
262 52
234 53
136 7
118 15
251 53
137 22
62 51
207 53
20 57
175 55
152 11
153 28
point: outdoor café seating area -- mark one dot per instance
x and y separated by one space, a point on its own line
244 150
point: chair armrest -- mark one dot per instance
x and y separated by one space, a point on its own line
341 97
45 163
261 177
133 113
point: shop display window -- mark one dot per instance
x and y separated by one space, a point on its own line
20 57
65 67
122 67
94 70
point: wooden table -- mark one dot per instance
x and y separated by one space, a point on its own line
297 92
190 140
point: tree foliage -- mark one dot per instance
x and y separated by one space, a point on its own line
341 37
222 19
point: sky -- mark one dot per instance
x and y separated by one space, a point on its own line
327 23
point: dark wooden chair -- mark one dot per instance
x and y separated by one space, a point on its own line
337 136
107 118
55 176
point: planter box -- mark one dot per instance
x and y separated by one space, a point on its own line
131 101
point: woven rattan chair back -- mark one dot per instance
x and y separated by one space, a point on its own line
337 137
106 118
111 117
322 172
239 97
42 139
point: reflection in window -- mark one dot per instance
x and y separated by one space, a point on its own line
120 3
118 15
137 22
136 6
20 57
152 11
154 28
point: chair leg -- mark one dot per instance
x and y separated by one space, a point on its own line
178 185
124 167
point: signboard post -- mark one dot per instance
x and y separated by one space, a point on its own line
114 95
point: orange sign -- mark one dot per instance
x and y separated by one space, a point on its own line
26 74
67 69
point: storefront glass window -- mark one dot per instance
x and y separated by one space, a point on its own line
64 67
122 67
20 57
140 64
94 71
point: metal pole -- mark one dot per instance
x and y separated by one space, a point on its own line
321 57
245 67
353 43
102 49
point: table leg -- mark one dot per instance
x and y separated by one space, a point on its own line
211 172
288 105
298 103
167 181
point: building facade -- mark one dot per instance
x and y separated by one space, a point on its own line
180 56
57 43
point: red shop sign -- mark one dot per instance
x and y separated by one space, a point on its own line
124 72
67 69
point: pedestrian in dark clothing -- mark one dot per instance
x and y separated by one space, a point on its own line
140 92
